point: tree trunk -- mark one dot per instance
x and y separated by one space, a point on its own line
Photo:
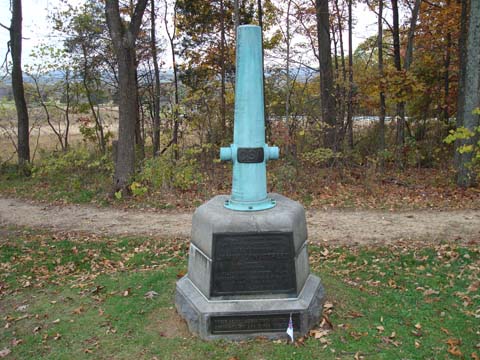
268 125
223 109
23 141
398 66
446 78
350 78
466 175
124 36
67 107
341 90
462 55
171 40
139 138
411 35
326 74
381 134
156 96
98 123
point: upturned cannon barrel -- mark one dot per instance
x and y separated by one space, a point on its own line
249 153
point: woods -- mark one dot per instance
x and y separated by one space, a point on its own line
407 96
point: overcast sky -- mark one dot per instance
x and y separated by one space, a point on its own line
36 28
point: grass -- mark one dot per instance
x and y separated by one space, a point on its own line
67 295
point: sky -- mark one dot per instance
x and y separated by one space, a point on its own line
36 28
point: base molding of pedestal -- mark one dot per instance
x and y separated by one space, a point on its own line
243 319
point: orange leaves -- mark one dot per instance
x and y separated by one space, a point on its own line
453 347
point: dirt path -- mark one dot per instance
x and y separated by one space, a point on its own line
333 226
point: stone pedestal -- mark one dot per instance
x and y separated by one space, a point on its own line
248 272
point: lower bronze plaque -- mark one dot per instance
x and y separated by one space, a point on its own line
253 263
252 323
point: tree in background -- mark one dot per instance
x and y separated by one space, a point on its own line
329 115
23 141
156 92
85 31
124 35
471 99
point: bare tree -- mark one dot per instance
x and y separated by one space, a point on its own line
171 40
398 66
326 73
23 142
124 35
380 73
156 96
350 78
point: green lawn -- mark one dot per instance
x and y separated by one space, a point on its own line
73 296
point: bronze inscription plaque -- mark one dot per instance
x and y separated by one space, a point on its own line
253 323
253 263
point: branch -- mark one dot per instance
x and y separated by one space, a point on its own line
5 61
136 21
372 8
5 27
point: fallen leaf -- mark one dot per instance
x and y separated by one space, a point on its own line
127 292
36 329
354 315
417 344
445 330
454 350
22 308
380 328
474 287
150 294
326 324
97 289
16 342
317 334
78 310
418 326
57 337
4 352
453 342
328 305
430 292
56 321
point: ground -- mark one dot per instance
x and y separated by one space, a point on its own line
86 282
334 227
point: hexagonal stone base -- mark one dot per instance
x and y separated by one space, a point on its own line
248 272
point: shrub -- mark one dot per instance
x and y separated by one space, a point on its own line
165 173
73 161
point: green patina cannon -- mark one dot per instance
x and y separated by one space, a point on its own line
249 153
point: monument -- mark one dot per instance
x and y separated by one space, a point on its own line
248 271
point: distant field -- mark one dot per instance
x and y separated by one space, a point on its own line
42 136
